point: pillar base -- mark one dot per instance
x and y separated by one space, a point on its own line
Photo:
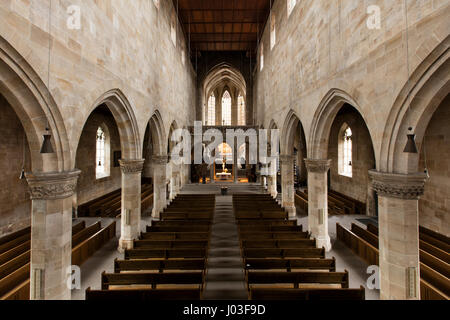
324 242
125 244
292 211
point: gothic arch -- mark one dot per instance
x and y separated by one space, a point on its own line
125 119
323 120
414 107
35 107
158 133
288 133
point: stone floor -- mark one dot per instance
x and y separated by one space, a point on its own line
225 276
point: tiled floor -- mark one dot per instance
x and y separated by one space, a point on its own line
225 274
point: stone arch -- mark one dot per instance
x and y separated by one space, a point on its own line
323 119
288 133
35 107
125 118
158 133
414 107
170 143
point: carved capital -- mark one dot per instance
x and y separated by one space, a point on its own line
317 166
402 186
160 160
52 185
131 166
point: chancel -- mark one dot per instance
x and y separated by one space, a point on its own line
326 127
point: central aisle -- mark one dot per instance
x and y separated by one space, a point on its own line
225 279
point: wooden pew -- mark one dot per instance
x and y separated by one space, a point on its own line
174 236
152 279
284 253
307 294
283 244
13 280
289 223
88 247
290 264
358 245
297 278
170 244
15 235
273 235
159 265
14 243
181 228
165 253
143 295
86 233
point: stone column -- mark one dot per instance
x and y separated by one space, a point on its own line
318 201
131 202
287 184
272 179
159 185
51 234
235 164
176 171
398 198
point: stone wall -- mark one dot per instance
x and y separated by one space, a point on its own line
434 205
15 203
123 45
362 158
89 187
325 45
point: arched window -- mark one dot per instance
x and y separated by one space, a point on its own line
241 111
101 158
273 33
212 110
290 6
261 57
226 109
346 151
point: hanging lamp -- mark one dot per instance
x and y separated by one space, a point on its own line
47 147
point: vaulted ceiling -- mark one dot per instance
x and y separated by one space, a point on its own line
223 25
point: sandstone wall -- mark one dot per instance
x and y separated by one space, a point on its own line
15 203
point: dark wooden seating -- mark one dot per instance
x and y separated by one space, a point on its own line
143 295
298 278
159 265
284 244
434 272
175 236
316 294
284 253
152 279
165 253
290 264
274 235
170 244
15 235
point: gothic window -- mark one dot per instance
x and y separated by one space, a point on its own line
101 164
346 151
226 109
241 111
273 34
212 110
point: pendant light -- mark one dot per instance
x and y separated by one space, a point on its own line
411 146
47 147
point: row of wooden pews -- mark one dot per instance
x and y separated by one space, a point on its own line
15 256
281 261
434 253
168 262
109 205
338 203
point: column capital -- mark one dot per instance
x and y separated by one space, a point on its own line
286 158
160 159
52 185
131 166
402 186
318 165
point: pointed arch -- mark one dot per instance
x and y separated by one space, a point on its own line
323 119
414 107
158 133
291 123
35 107
125 118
